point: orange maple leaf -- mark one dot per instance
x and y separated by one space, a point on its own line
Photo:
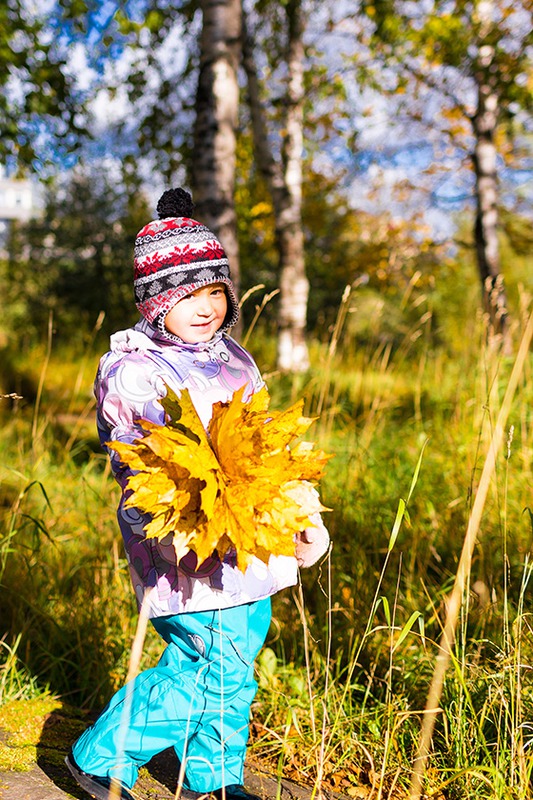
240 484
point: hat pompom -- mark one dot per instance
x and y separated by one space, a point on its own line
175 203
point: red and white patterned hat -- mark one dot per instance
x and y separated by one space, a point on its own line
174 256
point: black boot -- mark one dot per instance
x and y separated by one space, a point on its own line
234 792
95 785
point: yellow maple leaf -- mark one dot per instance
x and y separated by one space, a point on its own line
241 484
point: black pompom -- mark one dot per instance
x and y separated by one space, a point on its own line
175 203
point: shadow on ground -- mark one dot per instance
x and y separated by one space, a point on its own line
49 779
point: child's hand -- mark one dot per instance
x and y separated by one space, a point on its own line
312 543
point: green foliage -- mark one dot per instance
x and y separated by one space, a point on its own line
418 38
50 106
472 62
160 87
16 681
75 261
393 259
457 39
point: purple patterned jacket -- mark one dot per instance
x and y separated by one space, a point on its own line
130 380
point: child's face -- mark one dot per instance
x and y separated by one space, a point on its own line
198 316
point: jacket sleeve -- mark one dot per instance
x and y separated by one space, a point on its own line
127 392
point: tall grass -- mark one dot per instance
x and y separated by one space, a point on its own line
342 704
65 596
390 646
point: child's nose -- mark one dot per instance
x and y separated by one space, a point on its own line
205 306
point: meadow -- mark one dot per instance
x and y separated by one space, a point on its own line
410 421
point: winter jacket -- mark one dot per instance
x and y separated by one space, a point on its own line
129 383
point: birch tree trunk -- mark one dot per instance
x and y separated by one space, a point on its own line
484 159
217 103
294 286
284 179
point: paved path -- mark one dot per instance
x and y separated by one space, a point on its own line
36 784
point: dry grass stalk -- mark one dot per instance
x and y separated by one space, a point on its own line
133 669
456 598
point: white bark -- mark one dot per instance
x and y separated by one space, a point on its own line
284 179
217 103
293 280
484 124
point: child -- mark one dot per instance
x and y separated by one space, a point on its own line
213 617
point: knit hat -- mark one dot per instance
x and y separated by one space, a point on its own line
174 256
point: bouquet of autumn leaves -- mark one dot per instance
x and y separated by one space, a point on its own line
241 484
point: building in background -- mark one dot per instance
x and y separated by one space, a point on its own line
18 201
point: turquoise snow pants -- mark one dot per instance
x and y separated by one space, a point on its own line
197 699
